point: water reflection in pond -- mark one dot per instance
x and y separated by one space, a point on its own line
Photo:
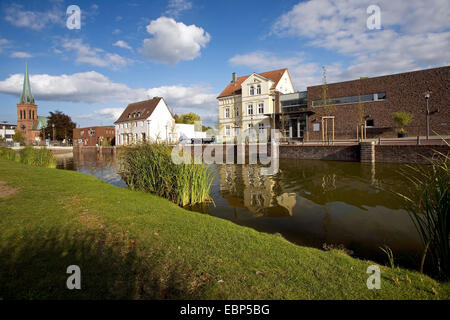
308 202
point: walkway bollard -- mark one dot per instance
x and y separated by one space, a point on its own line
418 140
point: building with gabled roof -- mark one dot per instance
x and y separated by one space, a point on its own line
149 120
251 102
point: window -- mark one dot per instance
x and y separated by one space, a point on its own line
129 115
261 127
252 90
258 89
353 99
236 112
250 109
261 108
370 123
227 131
227 112
316 126
250 126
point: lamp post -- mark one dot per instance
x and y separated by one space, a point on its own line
427 97
53 126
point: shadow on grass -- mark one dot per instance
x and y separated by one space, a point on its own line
112 267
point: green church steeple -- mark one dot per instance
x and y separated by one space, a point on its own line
27 96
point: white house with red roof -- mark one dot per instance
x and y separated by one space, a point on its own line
250 102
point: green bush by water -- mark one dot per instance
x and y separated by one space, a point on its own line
41 157
149 168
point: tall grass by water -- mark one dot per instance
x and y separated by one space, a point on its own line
428 201
39 157
149 168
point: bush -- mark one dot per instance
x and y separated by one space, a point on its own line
149 168
402 119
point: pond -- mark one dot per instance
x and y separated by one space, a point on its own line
308 202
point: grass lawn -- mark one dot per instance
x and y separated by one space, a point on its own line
134 245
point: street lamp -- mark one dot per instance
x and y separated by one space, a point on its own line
53 126
427 97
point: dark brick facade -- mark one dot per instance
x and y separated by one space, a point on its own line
404 92
93 136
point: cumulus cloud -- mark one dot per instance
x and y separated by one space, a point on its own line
21 55
94 56
173 41
94 88
176 7
413 36
122 44
36 20
303 73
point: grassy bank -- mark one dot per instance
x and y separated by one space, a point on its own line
129 244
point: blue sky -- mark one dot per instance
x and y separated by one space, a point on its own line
186 50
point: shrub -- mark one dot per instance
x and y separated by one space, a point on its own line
402 119
7 154
149 168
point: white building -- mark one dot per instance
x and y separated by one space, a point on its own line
7 131
149 120
252 102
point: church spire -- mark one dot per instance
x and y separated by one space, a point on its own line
27 96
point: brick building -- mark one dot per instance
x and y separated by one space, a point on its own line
92 136
380 98
28 121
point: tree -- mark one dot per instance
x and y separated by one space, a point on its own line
18 137
188 118
328 109
63 128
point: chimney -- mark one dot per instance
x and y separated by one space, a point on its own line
233 78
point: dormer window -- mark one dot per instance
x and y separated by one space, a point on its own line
258 89
252 90
129 115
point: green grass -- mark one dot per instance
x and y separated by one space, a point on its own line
130 244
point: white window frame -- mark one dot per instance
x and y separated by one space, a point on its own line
259 106
227 131
250 108
252 90
261 127
258 89
227 113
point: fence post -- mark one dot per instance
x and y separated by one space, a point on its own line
418 140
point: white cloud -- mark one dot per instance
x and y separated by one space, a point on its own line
176 7
93 87
20 54
122 44
303 73
94 56
413 36
173 41
17 16
4 43
89 87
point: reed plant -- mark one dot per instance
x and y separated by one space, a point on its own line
427 198
8 154
41 157
149 168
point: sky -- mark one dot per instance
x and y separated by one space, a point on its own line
186 50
